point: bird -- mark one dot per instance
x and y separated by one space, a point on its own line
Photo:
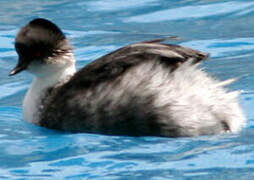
148 88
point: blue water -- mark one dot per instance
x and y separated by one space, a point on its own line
224 28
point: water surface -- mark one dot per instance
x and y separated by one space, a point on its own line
96 27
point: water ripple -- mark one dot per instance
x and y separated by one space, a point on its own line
119 5
96 27
198 11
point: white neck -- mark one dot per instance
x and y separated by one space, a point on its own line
40 84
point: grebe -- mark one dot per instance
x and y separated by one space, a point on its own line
144 89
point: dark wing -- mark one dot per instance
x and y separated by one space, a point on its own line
114 64
67 108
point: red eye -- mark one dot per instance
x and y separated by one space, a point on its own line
38 54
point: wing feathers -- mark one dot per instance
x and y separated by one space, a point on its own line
114 64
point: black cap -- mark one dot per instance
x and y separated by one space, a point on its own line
38 40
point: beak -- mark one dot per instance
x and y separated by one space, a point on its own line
22 65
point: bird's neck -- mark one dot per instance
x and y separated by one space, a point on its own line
40 85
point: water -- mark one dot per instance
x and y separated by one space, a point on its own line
96 27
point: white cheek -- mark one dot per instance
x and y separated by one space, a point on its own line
34 66
41 69
51 65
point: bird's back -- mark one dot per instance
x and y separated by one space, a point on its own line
147 88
